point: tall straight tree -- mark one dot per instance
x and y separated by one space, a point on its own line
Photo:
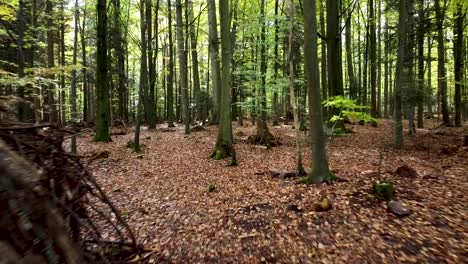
102 91
170 66
151 67
441 70
276 67
74 78
224 143
143 74
349 58
50 112
263 135
373 59
420 57
320 170
292 79
182 54
120 52
400 73
194 54
458 50
335 70
214 57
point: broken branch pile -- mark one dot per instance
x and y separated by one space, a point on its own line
51 208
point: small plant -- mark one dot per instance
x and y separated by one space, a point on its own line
349 110
383 190
211 188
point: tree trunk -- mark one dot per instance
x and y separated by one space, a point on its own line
102 92
386 69
400 73
349 58
151 66
170 78
263 135
50 113
410 93
74 79
292 45
120 53
373 59
441 70
215 67
224 143
276 68
420 81
182 54
323 58
458 67
320 171
84 72
195 70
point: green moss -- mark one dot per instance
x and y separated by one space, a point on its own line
211 188
306 180
331 177
383 190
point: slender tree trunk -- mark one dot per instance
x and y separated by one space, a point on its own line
84 71
276 68
441 70
120 53
292 53
373 59
420 81
458 51
411 88
387 69
50 113
349 58
263 135
182 54
20 60
62 64
170 78
323 58
74 79
335 74
151 66
320 171
215 67
195 70
429 75
102 92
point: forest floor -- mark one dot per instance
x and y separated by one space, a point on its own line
251 218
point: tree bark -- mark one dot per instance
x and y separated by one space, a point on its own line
441 70
224 143
214 57
458 67
182 54
102 92
320 170
400 74
170 66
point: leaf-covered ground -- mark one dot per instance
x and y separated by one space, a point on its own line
163 193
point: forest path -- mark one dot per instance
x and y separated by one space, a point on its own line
163 192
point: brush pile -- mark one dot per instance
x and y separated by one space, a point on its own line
51 208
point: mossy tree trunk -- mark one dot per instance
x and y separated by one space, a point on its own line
102 92
224 143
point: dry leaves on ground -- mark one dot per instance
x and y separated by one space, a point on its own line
252 218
